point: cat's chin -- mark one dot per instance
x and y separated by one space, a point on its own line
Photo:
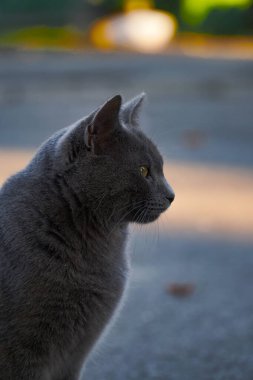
149 218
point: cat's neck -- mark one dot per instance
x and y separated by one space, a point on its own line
75 213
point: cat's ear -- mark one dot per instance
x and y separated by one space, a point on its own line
130 112
91 132
105 121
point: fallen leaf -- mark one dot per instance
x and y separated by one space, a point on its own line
180 289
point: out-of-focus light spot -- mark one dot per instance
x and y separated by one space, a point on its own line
195 11
216 47
99 36
142 30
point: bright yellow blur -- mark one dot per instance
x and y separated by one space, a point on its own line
131 5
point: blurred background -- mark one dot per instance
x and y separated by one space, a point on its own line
189 311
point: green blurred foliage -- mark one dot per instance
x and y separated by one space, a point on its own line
111 5
219 20
171 6
44 36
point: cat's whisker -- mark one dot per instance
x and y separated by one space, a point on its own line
122 218
154 233
144 226
158 232
117 210
138 219
136 223
137 215
120 210
166 223
142 216
128 204
101 200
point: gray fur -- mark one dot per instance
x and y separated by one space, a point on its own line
130 111
63 231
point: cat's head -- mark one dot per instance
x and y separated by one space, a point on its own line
109 162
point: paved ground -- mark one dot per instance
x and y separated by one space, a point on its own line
200 113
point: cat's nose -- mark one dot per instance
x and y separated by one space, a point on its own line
170 197
168 191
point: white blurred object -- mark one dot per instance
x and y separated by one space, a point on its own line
142 30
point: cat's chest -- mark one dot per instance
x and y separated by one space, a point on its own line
90 294
103 255
99 273
105 264
83 294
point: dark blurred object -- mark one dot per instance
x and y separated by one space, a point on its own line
193 139
180 290
230 21
17 14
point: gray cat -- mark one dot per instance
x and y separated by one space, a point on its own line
63 230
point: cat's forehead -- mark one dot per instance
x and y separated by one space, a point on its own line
142 147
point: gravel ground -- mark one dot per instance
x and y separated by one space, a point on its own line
207 335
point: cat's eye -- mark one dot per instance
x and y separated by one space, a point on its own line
144 171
